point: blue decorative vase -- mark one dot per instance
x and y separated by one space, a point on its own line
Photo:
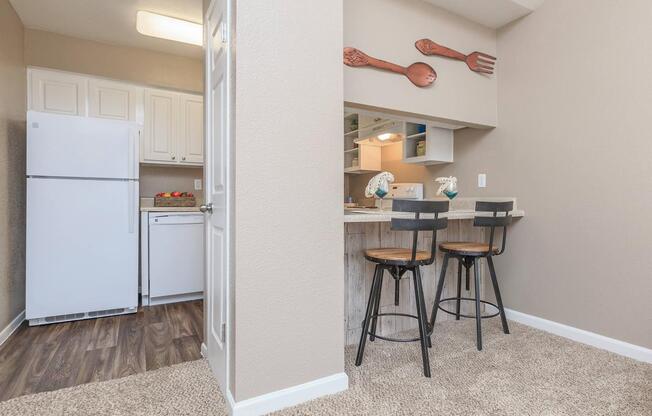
450 194
451 190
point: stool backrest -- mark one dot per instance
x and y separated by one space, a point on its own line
495 220
417 224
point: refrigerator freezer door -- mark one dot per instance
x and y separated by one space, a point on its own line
81 147
82 246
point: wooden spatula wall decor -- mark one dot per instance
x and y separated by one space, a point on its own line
419 73
476 61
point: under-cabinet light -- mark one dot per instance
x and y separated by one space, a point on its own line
384 136
159 26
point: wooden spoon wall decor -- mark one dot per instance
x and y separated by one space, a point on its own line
476 61
421 74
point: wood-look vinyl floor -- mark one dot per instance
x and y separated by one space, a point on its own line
50 357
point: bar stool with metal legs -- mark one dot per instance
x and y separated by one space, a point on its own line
467 255
398 261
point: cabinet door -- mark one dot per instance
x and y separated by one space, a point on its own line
161 115
191 126
112 100
57 92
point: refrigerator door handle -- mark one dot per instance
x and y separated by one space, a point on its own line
131 201
132 151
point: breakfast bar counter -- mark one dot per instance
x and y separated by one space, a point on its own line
370 228
460 209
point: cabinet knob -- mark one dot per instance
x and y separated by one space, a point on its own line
173 157
183 158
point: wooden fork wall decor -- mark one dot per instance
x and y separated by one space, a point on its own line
476 61
419 73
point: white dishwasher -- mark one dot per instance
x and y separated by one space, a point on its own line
175 257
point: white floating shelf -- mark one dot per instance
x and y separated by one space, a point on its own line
416 136
423 160
356 170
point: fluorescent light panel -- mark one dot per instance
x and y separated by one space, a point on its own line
159 26
384 136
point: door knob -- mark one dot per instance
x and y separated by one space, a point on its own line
206 208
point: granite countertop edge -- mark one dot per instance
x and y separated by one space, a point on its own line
169 209
388 215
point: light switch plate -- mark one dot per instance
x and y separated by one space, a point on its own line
197 184
482 180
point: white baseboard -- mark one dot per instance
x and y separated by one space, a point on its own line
13 326
291 396
585 337
230 403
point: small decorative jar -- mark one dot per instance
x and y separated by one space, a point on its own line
421 148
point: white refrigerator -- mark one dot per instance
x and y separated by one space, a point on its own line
82 217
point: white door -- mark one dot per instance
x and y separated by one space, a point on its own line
57 92
217 180
191 134
161 109
114 100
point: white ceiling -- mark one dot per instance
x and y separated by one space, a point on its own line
490 13
110 21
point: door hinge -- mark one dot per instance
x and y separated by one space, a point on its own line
223 333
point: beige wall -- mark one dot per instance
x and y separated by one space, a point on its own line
289 291
142 66
387 29
574 145
155 179
12 165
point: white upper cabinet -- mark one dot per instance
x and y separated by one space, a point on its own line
174 128
172 122
427 145
58 92
114 100
160 133
191 126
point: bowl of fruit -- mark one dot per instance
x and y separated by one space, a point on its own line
175 199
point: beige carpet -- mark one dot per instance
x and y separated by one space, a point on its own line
526 373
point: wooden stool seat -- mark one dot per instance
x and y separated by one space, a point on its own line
397 256
466 248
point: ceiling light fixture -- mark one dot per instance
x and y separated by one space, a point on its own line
384 136
159 26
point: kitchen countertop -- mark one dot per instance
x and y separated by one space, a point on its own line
460 209
169 209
